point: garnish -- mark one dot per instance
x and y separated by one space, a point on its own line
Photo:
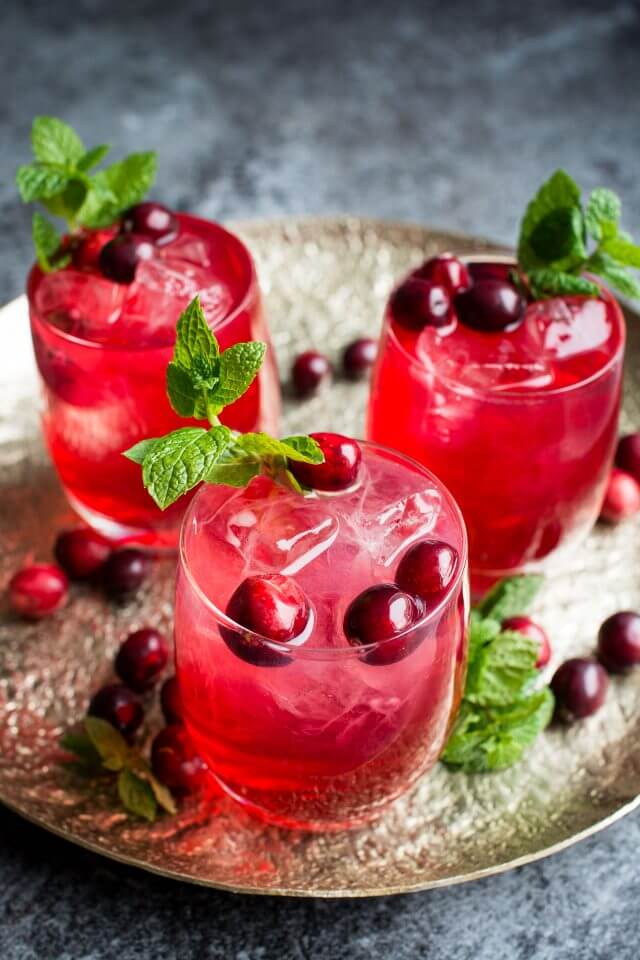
553 248
201 382
99 750
502 710
63 179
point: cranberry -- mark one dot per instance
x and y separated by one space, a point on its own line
272 606
151 220
359 357
125 571
580 687
427 569
119 707
80 553
419 303
494 270
175 762
628 455
86 253
619 641
535 632
38 590
170 700
120 257
309 372
383 613
490 305
447 271
141 659
622 497
342 458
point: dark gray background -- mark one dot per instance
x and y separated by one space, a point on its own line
446 113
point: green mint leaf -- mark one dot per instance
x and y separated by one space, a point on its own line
93 157
67 203
113 748
40 183
623 251
195 368
179 461
261 445
161 794
603 211
502 670
81 746
119 187
482 630
238 368
554 283
510 597
558 238
232 474
559 192
46 243
195 343
137 795
54 141
97 205
615 275
306 447
183 396
139 450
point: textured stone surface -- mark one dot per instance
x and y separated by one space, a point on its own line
424 111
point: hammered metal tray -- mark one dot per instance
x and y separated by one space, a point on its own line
325 282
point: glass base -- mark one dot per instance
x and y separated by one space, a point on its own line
159 541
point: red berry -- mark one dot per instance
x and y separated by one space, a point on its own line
309 372
86 253
119 707
383 613
490 305
419 303
622 497
619 641
427 569
272 606
628 455
125 570
170 700
359 357
342 458
580 687
38 590
535 632
447 271
176 763
80 553
151 220
120 257
141 659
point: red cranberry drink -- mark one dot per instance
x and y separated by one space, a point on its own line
103 307
320 639
504 379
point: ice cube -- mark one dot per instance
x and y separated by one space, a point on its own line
192 249
83 304
570 326
387 525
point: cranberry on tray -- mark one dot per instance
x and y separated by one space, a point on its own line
141 659
117 705
535 632
619 641
175 761
125 571
310 371
37 590
358 358
580 687
622 497
81 553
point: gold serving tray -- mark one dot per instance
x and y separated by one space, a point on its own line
325 282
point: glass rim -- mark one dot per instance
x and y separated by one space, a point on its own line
244 301
296 649
508 395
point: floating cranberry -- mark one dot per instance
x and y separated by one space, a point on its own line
619 641
419 303
447 271
494 270
86 252
120 257
272 606
118 706
125 571
151 220
535 632
310 371
170 700
628 455
427 569
342 458
37 590
81 553
490 305
359 357
175 761
141 659
622 497
580 687
383 615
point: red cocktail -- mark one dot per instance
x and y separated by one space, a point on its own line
325 728
102 349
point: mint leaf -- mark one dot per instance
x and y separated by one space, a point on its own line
40 183
558 238
139 450
232 474
194 371
510 597
93 157
502 670
195 342
603 212
554 283
306 447
113 748
238 368
261 445
183 395
615 275
81 746
119 187
559 192
163 796
54 141
46 243
180 460
622 250
136 795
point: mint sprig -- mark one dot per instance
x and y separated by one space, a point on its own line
60 178
553 247
502 710
201 382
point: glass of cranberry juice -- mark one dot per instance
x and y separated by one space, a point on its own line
102 350
319 733
520 424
